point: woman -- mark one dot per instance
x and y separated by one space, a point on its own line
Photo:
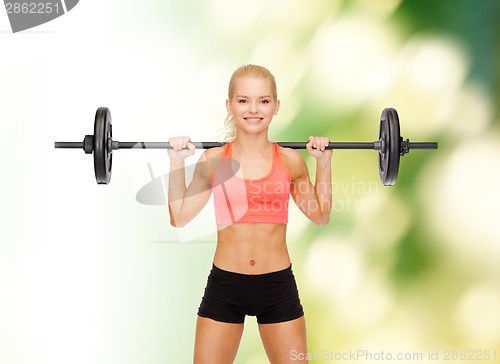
251 179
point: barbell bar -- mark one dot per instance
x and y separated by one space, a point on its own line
390 145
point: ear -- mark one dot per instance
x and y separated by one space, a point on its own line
228 106
277 107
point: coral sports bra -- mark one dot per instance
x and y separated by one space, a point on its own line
261 200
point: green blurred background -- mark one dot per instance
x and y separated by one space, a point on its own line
90 275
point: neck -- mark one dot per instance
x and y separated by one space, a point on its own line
251 143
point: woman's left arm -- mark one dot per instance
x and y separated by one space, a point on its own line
315 201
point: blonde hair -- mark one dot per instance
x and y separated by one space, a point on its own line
249 70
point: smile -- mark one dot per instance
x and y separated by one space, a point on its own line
253 120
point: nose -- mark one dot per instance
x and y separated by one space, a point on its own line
253 107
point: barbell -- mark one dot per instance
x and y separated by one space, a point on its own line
390 145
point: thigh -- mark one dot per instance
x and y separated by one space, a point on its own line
285 340
216 342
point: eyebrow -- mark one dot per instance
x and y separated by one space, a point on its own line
260 97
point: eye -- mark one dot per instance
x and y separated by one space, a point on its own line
265 101
242 101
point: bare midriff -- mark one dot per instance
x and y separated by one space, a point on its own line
252 248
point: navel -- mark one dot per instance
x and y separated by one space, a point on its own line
252 262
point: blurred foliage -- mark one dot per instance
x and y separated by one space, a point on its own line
474 23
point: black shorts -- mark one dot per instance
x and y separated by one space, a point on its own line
272 297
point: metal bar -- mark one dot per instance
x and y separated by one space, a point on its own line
332 145
164 145
423 145
69 145
207 145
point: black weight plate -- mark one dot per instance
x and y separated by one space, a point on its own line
103 155
390 137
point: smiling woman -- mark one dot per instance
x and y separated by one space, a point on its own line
251 78
251 273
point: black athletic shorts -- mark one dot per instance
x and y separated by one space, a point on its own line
272 297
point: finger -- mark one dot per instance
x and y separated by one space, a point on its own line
310 143
327 142
314 142
173 142
318 144
323 142
185 141
178 143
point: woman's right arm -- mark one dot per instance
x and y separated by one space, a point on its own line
184 203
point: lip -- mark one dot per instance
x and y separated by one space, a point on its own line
253 120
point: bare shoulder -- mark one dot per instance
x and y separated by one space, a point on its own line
213 152
290 155
294 162
209 160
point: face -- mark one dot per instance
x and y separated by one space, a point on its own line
252 105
